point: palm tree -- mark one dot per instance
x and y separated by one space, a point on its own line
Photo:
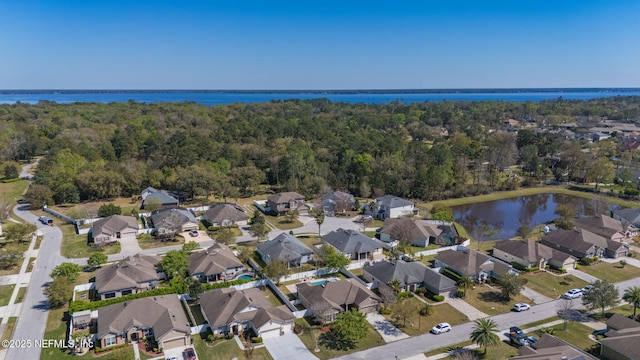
319 220
483 333
632 296
465 283
396 286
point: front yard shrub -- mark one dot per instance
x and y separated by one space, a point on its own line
586 261
450 274
256 340
385 311
437 298
113 347
421 291
229 336
577 267
404 294
460 294
520 267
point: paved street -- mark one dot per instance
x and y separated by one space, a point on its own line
33 319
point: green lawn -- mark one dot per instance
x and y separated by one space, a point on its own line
282 223
196 311
21 292
30 264
75 245
417 325
576 334
271 296
12 191
626 310
5 294
612 272
488 300
357 272
371 339
150 242
540 322
8 331
226 349
310 240
19 246
551 285
499 352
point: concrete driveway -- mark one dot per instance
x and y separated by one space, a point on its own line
288 347
386 329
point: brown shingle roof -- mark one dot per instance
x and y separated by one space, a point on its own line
602 225
218 213
530 250
285 197
338 294
113 224
162 313
468 262
127 273
222 306
215 260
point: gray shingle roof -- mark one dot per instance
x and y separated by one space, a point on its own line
113 224
338 294
284 247
127 273
218 213
411 273
285 197
601 225
163 197
172 218
392 202
630 215
530 250
352 241
468 262
162 313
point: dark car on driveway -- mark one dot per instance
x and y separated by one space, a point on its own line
189 354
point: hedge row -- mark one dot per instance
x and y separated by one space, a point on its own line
109 348
226 284
450 274
10 180
93 305
520 267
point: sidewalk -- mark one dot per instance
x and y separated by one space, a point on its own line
20 280
462 306
535 296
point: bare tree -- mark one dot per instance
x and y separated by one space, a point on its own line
565 311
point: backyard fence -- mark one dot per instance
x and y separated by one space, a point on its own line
435 251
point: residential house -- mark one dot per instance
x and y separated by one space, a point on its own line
158 317
173 221
549 347
412 275
326 301
282 203
224 214
114 228
474 264
236 311
130 275
419 232
354 244
337 202
390 206
532 254
622 339
161 198
628 217
604 226
217 263
583 243
286 248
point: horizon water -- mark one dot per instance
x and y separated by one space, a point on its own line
221 98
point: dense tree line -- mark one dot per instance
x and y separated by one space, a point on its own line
100 151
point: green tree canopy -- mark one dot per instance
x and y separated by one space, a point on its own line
19 232
510 285
333 259
59 292
109 209
190 247
275 270
97 259
603 294
174 264
67 270
350 326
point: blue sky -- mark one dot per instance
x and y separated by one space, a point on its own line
201 44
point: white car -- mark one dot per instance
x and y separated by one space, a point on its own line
521 307
172 358
572 294
441 328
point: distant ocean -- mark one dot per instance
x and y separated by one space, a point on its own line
212 97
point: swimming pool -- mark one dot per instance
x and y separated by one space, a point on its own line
321 282
244 277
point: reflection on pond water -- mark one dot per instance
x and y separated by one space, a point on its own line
506 215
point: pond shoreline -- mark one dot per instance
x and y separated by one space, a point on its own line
501 195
